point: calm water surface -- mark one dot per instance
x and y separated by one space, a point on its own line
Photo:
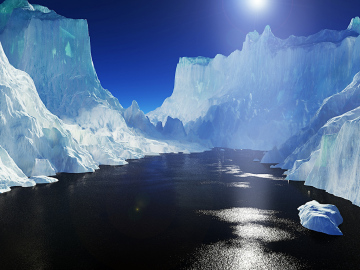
212 210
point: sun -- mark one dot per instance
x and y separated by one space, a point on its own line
257 5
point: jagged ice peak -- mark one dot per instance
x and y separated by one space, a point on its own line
354 25
9 5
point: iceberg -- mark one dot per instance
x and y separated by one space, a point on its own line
36 140
67 83
324 154
318 217
334 166
55 52
307 140
260 96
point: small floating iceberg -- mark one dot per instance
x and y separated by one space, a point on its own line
318 217
256 160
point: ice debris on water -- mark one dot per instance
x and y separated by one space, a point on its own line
318 217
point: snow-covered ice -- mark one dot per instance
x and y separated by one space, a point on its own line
318 217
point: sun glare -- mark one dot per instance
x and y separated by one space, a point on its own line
257 5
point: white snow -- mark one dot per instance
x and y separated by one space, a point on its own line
318 217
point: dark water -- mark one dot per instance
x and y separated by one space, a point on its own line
213 210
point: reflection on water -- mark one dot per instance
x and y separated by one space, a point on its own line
243 254
260 175
212 210
232 184
253 228
239 184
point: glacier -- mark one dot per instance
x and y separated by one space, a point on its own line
260 96
67 83
318 217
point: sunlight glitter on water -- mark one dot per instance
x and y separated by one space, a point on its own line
266 176
243 255
232 184
239 184
245 215
253 229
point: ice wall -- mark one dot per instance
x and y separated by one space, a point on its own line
36 140
325 121
260 96
333 163
55 52
326 156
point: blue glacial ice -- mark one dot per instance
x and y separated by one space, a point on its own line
67 83
260 96
324 154
35 139
318 217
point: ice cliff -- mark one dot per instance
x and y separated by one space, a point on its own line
260 96
55 52
33 141
325 153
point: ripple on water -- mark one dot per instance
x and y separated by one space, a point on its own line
232 184
254 229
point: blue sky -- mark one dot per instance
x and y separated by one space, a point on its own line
136 44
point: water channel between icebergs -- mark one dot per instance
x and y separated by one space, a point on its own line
211 210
